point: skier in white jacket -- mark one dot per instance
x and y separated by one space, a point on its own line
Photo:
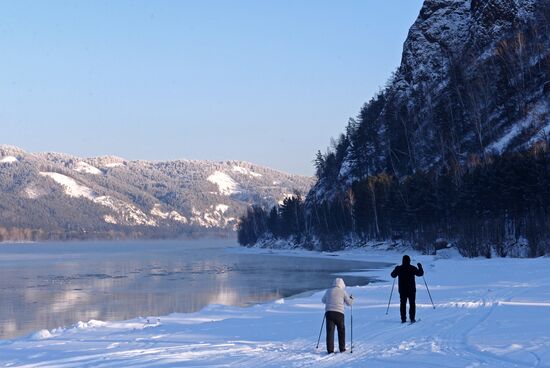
334 299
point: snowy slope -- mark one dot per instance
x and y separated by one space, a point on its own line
8 160
70 186
84 167
105 197
226 184
484 317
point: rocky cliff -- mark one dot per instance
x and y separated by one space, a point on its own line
474 80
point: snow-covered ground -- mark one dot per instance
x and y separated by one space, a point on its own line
489 313
226 184
84 167
245 171
8 160
70 186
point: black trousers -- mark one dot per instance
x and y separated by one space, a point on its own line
335 319
412 305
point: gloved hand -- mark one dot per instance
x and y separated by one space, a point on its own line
419 265
351 296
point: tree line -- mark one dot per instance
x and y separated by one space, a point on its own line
496 206
422 160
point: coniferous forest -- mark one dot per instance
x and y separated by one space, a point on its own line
498 206
454 149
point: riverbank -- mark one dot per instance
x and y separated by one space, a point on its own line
489 312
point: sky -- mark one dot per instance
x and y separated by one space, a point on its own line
267 81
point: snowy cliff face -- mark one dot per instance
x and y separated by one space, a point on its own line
446 30
474 80
68 196
471 72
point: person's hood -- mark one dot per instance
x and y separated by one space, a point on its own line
406 260
338 282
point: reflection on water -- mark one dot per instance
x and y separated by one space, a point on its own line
56 284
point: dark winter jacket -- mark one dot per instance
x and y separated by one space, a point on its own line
406 273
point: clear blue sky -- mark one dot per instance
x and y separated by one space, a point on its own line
266 81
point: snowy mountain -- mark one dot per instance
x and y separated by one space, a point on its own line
474 80
455 148
54 195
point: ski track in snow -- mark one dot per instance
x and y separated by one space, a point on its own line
484 317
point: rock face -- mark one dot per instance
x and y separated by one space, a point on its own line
474 80
472 73
52 195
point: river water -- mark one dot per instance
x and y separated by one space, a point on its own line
47 285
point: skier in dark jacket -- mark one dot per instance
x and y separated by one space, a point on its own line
407 287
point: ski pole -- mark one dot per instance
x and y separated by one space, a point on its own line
425 283
389 301
351 309
320 331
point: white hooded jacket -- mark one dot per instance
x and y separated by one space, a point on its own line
336 296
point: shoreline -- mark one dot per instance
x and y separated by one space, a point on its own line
81 289
483 316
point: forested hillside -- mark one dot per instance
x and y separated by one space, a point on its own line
59 196
453 149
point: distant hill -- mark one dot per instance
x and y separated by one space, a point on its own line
59 196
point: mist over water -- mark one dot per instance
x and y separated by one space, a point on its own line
48 285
